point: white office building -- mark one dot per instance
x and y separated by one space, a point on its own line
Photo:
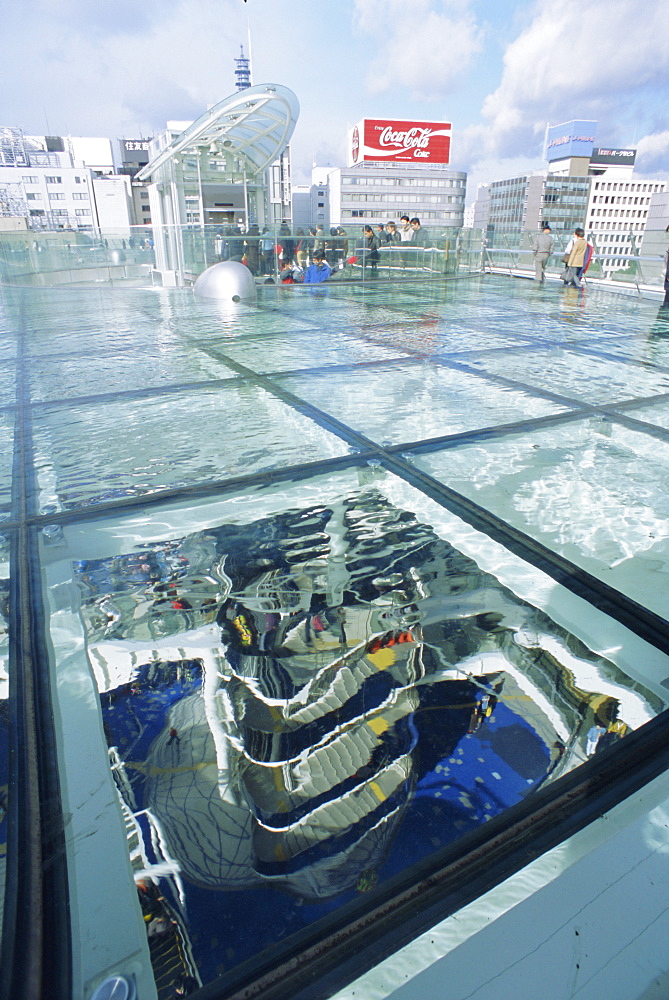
617 215
377 191
47 181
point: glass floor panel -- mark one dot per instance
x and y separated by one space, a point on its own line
57 377
283 686
592 490
411 402
6 442
306 692
81 458
580 377
656 414
271 354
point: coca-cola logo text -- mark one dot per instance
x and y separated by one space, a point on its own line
413 138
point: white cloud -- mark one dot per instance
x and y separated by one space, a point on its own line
576 59
652 157
109 78
422 45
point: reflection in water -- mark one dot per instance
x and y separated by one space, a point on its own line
311 703
4 718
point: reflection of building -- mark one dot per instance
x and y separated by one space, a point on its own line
229 168
311 687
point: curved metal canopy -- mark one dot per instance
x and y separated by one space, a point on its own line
256 123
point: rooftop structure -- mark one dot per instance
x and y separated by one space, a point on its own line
230 167
332 622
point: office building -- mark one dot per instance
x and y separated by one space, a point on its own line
377 191
584 185
63 182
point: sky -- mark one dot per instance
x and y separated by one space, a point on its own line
498 70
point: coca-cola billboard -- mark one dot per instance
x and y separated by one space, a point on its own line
391 140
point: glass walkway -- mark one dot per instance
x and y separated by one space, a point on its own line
319 617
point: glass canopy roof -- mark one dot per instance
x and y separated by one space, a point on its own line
256 123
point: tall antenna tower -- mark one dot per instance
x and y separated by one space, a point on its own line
243 71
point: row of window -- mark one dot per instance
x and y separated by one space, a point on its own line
60 212
403 181
408 199
34 179
628 186
612 200
58 196
624 226
611 238
634 213
445 218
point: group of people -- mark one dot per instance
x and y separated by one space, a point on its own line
311 256
327 253
576 257
389 236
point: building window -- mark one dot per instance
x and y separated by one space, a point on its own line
82 211
59 212
33 196
57 197
80 196
54 180
37 211
321 204
30 179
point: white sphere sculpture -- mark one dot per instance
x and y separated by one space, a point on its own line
229 281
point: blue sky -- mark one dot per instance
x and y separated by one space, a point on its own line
499 70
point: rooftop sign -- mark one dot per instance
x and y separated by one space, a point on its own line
400 141
625 157
570 139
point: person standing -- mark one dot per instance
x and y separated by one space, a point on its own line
301 249
543 248
421 237
406 237
371 251
406 232
392 236
267 251
319 239
666 276
576 249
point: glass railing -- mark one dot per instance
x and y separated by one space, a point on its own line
177 255
512 252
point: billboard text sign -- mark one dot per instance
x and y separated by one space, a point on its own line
624 157
570 139
392 140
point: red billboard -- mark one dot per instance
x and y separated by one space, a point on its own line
405 141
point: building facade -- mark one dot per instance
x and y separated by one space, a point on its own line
375 191
617 216
62 182
586 186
